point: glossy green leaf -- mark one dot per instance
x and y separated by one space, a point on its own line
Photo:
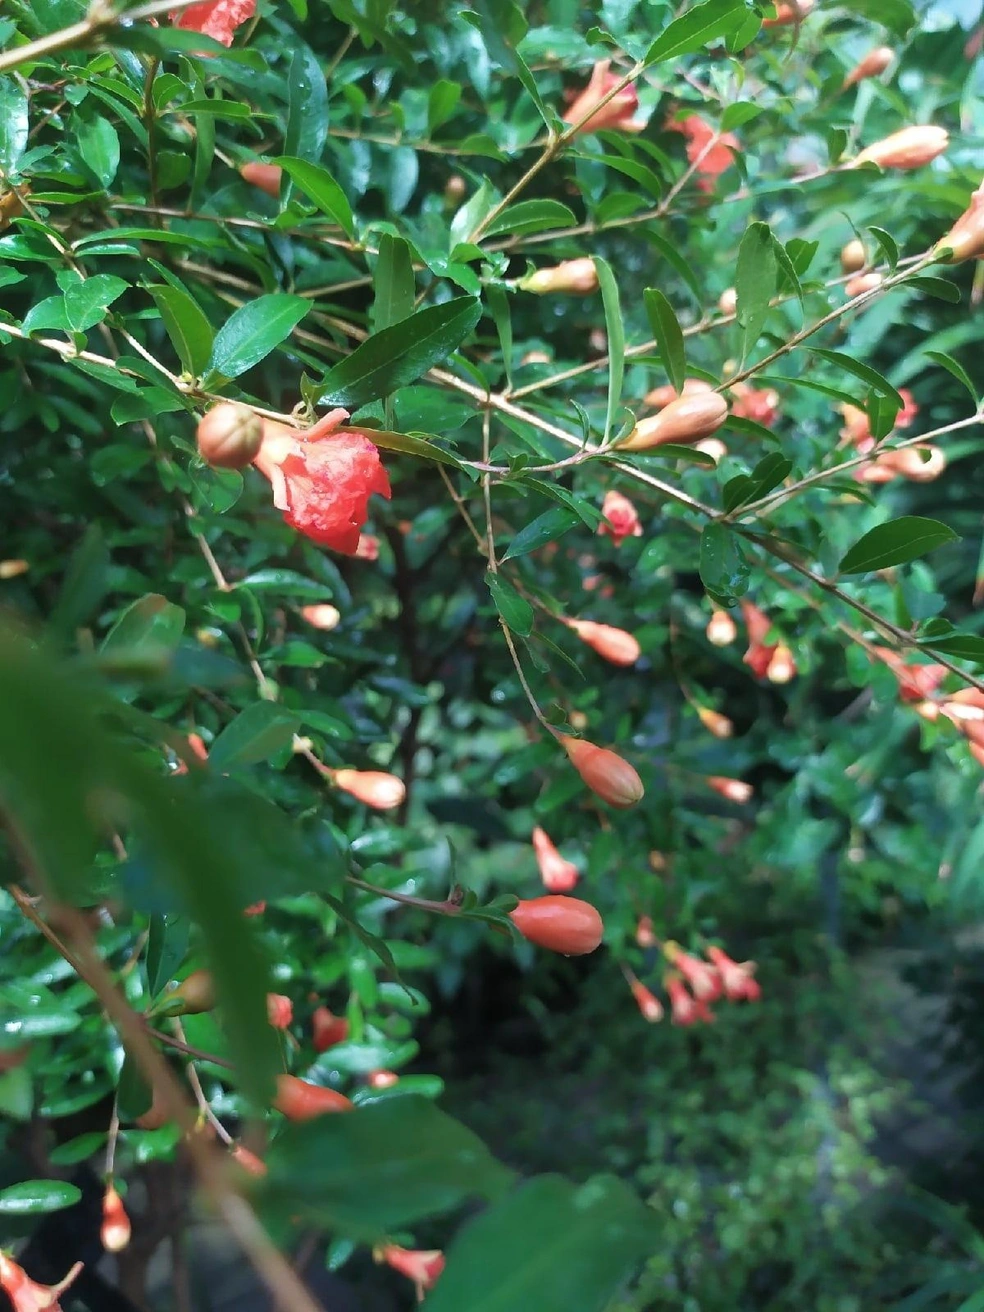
99 146
85 584
895 543
319 186
186 325
307 105
755 282
723 568
167 945
371 1171
393 283
941 288
557 1246
770 471
151 622
530 216
695 28
964 646
669 336
863 371
887 244
615 330
86 302
515 611
253 331
34 1197
413 445
13 124
256 734
400 354
549 526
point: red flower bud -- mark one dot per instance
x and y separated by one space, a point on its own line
327 1029
368 548
621 519
264 176
735 790
966 238
646 1000
195 994
254 909
559 924
115 1232
248 1161
721 629
702 978
577 276
300 1100
607 775
909 149
874 62
736 977
614 645
323 616
558 874
280 1010
420 1266
686 420
229 436
382 1079
716 723
371 787
685 1009
853 256
781 667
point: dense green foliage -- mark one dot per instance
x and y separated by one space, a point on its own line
147 596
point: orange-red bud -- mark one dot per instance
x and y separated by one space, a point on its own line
195 994
865 282
620 518
782 667
322 616
229 436
789 11
966 238
686 420
559 924
115 1231
280 1010
264 176
909 149
327 1029
371 787
558 874
577 276
421 1266
646 1000
614 645
248 1161
606 773
735 790
300 1100
874 62
644 935
716 723
721 629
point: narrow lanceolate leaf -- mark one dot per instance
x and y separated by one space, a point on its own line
186 325
400 354
695 28
393 283
515 611
557 1246
863 371
319 186
895 543
254 331
616 340
547 527
668 334
953 367
755 282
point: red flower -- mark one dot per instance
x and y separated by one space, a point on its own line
685 1009
280 1010
916 682
421 1266
707 158
647 1002
216 18
702 978
558 874
26 1294
617 113
736 976
322 478
758 403
621 519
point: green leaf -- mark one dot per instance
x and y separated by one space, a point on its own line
723 567
755 282
400 354
897 15
393 283
319 186
895 543
863 371
887 244
955 368
615 329
515 611
307 104
786 267
99 146
964 646
669 336
167 945
85 584
32 1197
256 734
549 526
503 26
767 474
150 623
13 124
441 103
696 28
374 1170
186 325
86 302
253 331
941 288
531 216
412 445
557 1246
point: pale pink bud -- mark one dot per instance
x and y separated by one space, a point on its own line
558 874
721 629
735 790
686 420
644 935
537 357
874 62
613 645
264 176
10 569
966 238
322 616
865 282
853 256
909 149
662 396
578 276
115 1232
782 666
371 787
728 301
716 723
280 1010
229 436
606 773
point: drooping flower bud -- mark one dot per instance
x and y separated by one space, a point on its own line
782 666
735 790
736 977
299 1100
373 788
12 569
25 1294
558 874
965 240
613 645
559 924
577 276
716 723
114 1233
728 301
853 256
909 149
421 1266
266 177
322 616
874 62
644 935
789 11
662 396
684 1008
327 1029
607 774
248 1161
759 654
229 436
686 420
195 994
721 629
702 977
280 1010
615 115
620 518
647 1002
865 282
382 1079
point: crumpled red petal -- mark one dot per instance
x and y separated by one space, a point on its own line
215 18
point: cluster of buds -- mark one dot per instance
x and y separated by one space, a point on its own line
773 661
920 463
918 687
758 403
693 984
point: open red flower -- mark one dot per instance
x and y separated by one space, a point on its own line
614 114
26 1294
620 518
421 1266
707 158
322 478
216 18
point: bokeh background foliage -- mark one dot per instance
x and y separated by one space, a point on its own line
818 1148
